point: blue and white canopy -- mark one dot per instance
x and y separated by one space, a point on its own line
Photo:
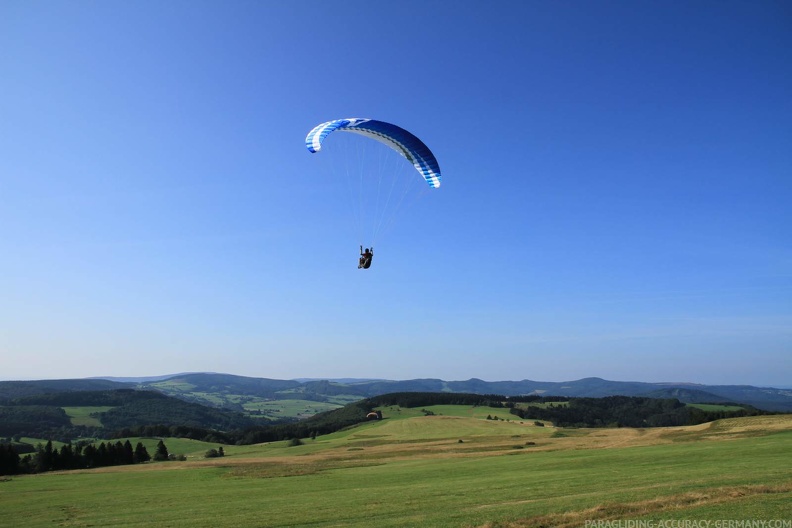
396 138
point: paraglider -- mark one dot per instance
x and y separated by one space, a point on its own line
396 138
399 140
365 257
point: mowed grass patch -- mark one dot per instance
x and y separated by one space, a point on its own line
279 409
466 411
82 415
438 427
408 484
173 385
715 407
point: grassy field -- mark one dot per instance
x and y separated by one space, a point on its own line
278 409
288 405
82 415
192 449
715 407
452 469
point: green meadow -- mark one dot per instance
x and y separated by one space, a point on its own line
279 409
288 405
82 415
715 407
452 468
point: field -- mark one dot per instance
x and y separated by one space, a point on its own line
444 466
288 404
279 409
715 407
82 415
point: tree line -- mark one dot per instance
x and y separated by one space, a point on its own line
422 399
31 420
42 416
623 411
81 455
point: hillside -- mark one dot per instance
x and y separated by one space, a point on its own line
46 416
223 384
131 412
442 465
687 395
255 396
770 399
10 390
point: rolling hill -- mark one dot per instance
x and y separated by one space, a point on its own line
248 394
769 399
47 415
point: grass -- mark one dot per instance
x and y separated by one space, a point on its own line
192 449
715 407
174 386
413 471
82 415
289 404
717 503
279 409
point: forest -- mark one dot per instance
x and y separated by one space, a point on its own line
42 416
81 455
149 414
620 411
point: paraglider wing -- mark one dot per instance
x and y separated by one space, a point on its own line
395 137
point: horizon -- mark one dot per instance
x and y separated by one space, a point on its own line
304 379
615 197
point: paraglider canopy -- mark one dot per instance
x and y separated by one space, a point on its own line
393 136
378 181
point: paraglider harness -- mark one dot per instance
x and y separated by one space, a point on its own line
365 258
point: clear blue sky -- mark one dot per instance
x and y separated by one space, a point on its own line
617 181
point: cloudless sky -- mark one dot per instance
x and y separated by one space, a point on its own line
617 181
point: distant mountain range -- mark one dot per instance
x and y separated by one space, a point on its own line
188 384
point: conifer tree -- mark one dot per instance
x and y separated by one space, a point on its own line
66 458
141 453
162 451
129 453
91 456
44 457
9 460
